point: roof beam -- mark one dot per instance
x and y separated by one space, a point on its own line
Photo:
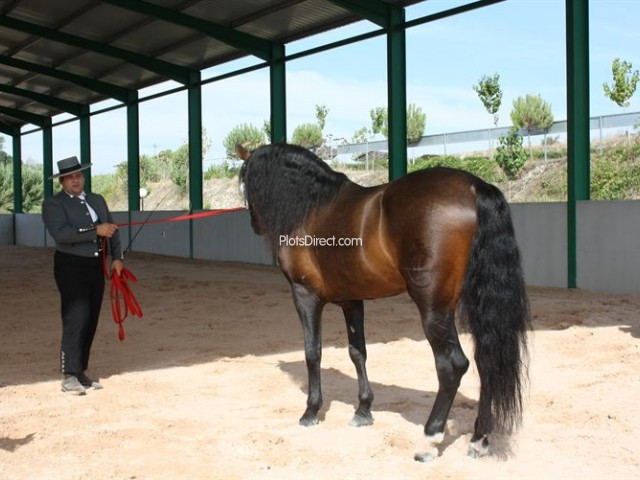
259 47
165 69
65 105
107 89
39 120
8 130
376 11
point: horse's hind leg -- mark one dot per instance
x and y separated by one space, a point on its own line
309 310
354 316
451 365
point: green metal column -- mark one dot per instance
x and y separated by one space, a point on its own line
397 94
85 145
278 95
578 155
133 151
17 172
195 142
47 157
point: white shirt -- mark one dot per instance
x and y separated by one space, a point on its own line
83 200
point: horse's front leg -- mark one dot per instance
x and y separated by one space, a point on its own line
309 308
354 316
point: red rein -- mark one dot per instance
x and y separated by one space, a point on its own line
123 301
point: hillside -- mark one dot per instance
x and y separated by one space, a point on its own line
225 192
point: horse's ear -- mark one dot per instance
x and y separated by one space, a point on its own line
242 152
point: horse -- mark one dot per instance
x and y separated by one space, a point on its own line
443 235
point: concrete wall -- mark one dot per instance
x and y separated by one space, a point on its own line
608 241
541 232
609 246
229 237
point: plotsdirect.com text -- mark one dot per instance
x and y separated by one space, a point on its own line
311 241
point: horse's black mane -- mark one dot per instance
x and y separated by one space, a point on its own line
283 184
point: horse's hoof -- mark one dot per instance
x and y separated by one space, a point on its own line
308 420
361 420
479 448
425 457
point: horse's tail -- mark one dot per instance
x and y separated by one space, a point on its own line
496 309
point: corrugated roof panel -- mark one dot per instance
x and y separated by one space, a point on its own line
293 21
227 12
104 22
9 38
202 51
129 76
46 12
46 52
146 40
9 100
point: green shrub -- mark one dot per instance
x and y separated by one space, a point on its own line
510 156
224 170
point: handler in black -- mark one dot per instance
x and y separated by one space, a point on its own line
78 221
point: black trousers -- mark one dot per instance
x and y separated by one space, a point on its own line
80 281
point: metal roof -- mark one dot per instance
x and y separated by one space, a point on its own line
62 56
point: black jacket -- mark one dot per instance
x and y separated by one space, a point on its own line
69 223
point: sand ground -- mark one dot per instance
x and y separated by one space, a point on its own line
210 384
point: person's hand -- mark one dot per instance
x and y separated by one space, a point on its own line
106 229
117 266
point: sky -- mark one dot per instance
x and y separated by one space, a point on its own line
521 40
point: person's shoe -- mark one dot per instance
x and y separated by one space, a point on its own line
70 384
86 382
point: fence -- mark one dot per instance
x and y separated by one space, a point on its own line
597 124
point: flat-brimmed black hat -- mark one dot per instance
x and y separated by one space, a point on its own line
70 165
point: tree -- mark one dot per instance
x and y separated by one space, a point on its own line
624 83
321 115
490 94
379 121
362 136
416 121
307 135
5 158
180 162
266 128
510 156
532 114
249 136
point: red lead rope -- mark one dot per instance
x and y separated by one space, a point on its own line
123 301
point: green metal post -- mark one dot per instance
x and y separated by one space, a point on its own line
397 94
47 157
195 150
195 142
578 155
278 95
85 145
17 172
133 151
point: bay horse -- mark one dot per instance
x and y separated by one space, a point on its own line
444 236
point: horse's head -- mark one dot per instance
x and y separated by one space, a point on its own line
244 154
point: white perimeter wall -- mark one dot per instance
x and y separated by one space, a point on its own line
608 241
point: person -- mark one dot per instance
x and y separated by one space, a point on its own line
78 222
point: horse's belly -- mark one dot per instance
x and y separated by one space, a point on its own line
356 282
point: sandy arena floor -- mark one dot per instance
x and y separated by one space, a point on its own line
211 382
